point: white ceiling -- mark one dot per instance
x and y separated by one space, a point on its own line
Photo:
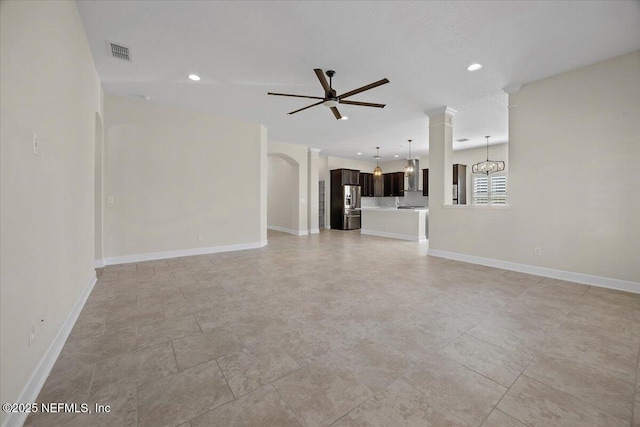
242 50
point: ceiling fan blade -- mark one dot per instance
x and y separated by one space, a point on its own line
323 80
363 88
308 106
362 104
336 113
295 96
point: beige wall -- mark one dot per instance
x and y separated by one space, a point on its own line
282 194
312 192
174 174
50 87
297 156
574 143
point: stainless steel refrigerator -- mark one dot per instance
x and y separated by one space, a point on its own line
345 207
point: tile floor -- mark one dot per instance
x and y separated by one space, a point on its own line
346 330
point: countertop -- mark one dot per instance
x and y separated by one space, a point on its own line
392 209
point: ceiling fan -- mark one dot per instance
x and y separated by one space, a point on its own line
331 99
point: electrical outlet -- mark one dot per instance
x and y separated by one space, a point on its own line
537 251
32 333
36 145
200 236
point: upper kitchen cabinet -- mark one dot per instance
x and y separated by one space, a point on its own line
459 184
425 182
378 186
366 184
393 184
346 176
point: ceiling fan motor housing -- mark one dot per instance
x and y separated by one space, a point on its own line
330 102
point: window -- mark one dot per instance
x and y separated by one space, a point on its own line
489 189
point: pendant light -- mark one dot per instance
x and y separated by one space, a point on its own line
488 166
377 172
410 169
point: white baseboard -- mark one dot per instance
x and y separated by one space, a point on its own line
288 230
314 231
39 376
588 279
99 263
125 259
421 239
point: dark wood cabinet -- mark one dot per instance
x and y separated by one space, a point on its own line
398 184
355 177
393 184
387 186
459 184
378 186
346 176
366 184
425 182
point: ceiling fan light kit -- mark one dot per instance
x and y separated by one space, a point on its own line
488 166
331 99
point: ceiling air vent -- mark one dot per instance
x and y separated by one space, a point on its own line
462 140
118 51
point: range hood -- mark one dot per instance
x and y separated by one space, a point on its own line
414 180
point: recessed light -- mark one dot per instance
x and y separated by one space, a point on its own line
474 67
359 154
194 77
344 118
396 155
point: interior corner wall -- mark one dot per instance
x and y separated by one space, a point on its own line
290 155
574 145
49 88
176 176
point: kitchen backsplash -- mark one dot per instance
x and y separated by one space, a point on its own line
411 198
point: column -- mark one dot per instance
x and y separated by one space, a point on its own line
440 157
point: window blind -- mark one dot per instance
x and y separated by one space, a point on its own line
490 190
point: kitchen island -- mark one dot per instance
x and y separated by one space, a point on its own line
397 223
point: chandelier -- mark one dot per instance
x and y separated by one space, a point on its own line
488 166
377 172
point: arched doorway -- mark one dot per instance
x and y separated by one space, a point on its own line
283 207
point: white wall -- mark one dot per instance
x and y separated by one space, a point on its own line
574 145
175 174
282 195
50 87
296 155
